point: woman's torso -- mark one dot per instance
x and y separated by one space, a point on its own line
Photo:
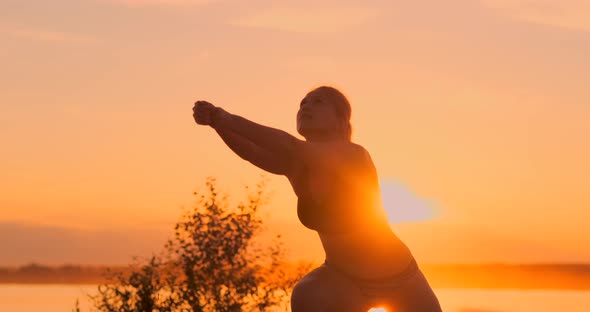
338 196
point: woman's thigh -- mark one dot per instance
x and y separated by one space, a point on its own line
325 290
413 295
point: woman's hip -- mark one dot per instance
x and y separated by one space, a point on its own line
328 288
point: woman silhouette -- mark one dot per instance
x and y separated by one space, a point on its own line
338 193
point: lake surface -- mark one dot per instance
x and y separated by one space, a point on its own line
59 298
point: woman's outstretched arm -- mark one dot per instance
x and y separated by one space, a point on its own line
278 142
253 153
267 148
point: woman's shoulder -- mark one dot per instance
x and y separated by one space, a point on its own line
359 150
340 146
333 153
325 147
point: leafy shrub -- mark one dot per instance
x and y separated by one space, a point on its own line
212 263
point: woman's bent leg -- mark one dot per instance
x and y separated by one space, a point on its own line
325 290
419 296
413 295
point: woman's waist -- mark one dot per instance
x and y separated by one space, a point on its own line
367 256
384 280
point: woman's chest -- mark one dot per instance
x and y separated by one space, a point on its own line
309 183
322 170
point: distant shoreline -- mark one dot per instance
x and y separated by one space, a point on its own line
466 276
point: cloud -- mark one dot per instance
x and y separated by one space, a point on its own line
142 3
39 34
317 20
569 14
402 205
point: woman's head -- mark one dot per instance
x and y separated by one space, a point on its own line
324 114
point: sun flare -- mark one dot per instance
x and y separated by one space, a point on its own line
403 205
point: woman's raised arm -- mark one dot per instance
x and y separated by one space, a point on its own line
275 141
253 153
270 149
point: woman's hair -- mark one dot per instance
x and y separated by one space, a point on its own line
341 106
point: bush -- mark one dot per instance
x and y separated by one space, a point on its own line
212 263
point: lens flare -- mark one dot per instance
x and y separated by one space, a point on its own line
403 205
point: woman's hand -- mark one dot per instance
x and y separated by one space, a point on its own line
203 113
208 114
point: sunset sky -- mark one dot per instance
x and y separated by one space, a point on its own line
476 114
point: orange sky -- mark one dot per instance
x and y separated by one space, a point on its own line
477 110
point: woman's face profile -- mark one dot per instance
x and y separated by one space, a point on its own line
317 116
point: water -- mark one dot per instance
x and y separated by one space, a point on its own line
47 298
59 298
484 300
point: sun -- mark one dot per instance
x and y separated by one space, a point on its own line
377 310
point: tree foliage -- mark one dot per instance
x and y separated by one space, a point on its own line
212 263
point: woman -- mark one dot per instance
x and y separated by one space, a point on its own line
338 195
